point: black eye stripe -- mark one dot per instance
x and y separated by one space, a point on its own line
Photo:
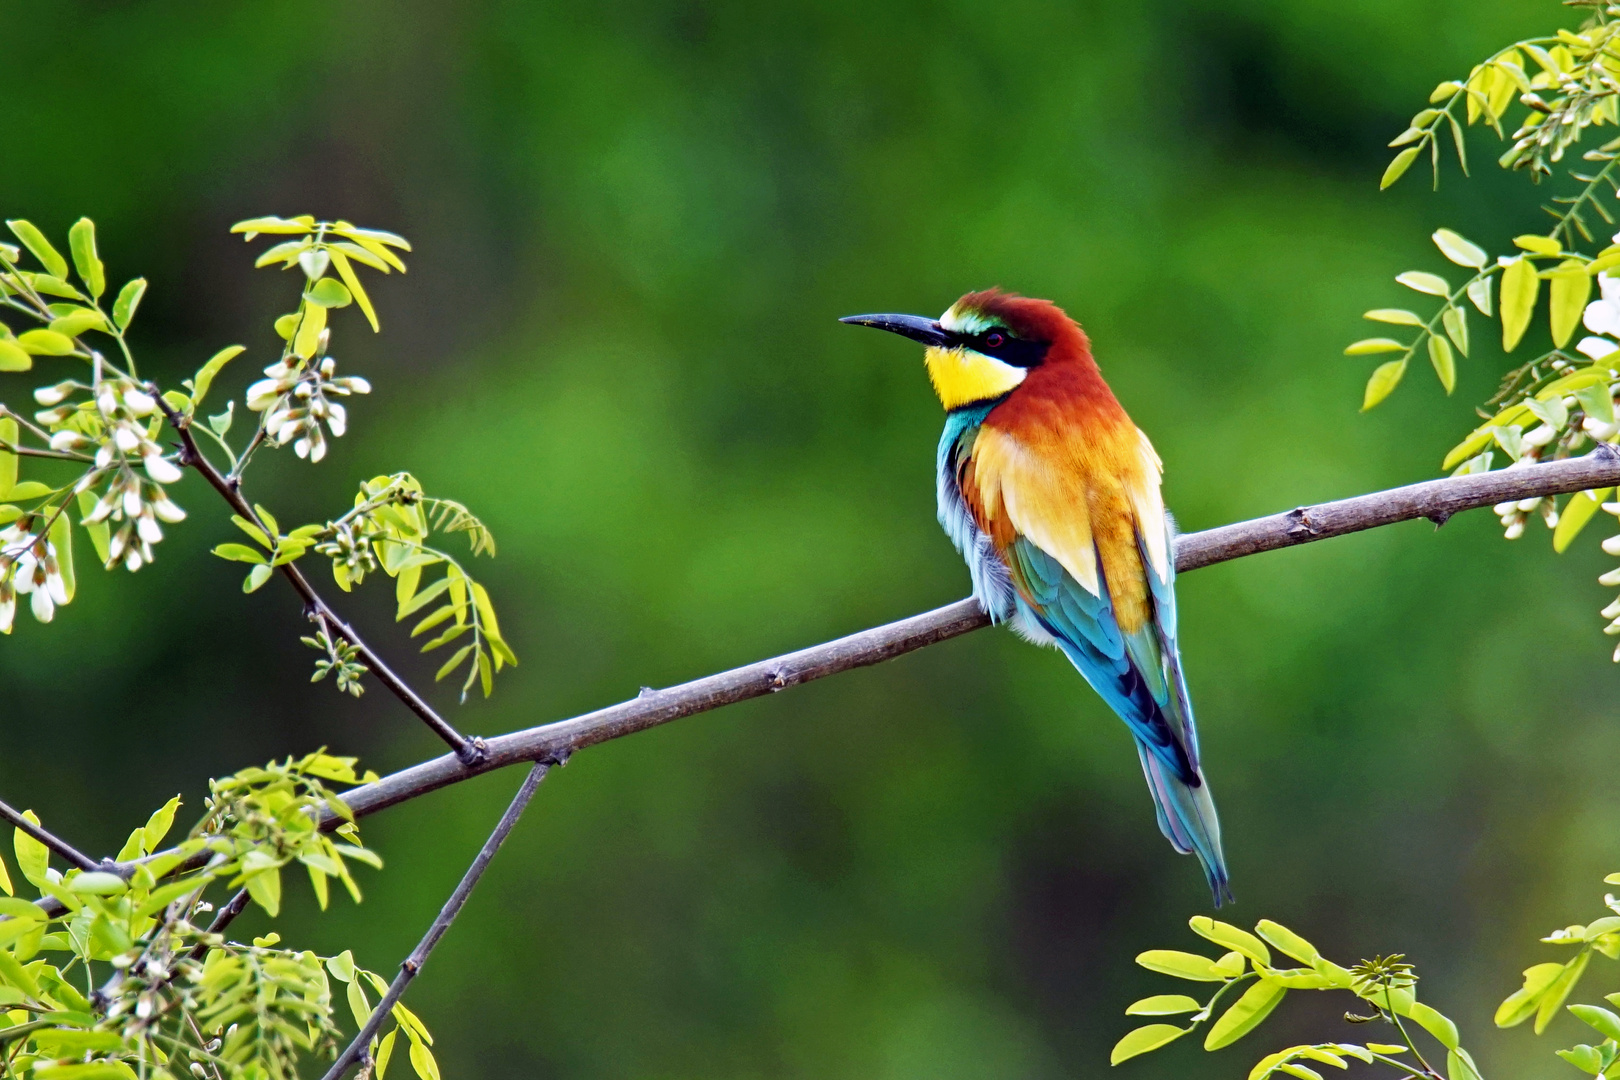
1006 348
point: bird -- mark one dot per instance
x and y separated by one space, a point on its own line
1052 496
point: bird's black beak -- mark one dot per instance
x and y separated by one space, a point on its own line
915 327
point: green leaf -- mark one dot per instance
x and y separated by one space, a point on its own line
82 243
1397 316
265 889
77 321
5 887
1520 284
1245 1014
1555 994
32 856
45 343
1226 934
352 280
29 489
1444 364
35 241
304 223
256 578
1603 1021
62 540
1458 250
13 357
1143 1040
97 883
99 533
1435 1023
239 553
1596 402
422 1061
1183 965
1583 1057
1385 378
129 299
1455 320
286 324
1373 345
1460 1065
309 331
1571 287
330 293
158 825
1432 284
205 374
451 664
8 460
1540 245
385 1051
1163 1005
1579 510
1479 294
359 1004
1304 1072
1399 165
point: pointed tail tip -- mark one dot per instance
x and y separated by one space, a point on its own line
1219 887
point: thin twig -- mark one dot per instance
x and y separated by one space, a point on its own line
1436 500
412 965
52 841
30 451
467 750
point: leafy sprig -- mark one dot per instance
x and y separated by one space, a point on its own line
1385 983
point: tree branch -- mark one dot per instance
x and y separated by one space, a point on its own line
469 751
412 965
1436 500
55 843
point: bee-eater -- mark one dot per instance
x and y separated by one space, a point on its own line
1051 494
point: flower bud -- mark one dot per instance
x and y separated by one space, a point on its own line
1514 530
1540 435
139 403
167 510
161 468
53 395
68 440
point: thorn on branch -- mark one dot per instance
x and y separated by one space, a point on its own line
1440 517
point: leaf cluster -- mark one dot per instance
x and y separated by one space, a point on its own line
1248 970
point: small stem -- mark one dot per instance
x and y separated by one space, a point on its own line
50 840
29 451
1410 1045
452 907
235 476
469 751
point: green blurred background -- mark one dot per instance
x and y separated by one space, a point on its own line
635 226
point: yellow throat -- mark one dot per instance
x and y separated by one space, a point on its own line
962 376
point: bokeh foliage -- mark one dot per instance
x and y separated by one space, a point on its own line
634 228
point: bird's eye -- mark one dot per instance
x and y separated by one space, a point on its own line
994 340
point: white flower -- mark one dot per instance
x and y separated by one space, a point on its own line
160 468
1595 347
139 402
167 510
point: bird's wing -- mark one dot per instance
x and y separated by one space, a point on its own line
1089 553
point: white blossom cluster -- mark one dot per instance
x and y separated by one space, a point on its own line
295 397
115 427
28 567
